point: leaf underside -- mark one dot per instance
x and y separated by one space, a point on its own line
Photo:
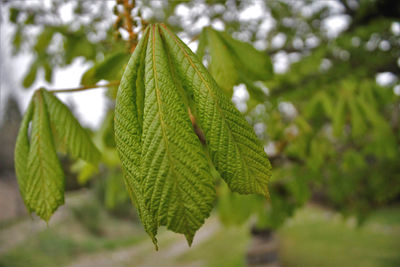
69 132
233 62
166 168
45 181
235 150
38 169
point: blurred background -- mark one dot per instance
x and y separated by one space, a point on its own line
325 103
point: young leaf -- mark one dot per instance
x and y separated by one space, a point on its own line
256 65
201 48
68 130
222 66
234 148
128 131
21 152
30 77
108 69
178 187
43 40
44 190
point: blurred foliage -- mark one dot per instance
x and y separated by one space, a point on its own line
332 133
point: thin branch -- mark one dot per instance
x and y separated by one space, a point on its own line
129 23
84 88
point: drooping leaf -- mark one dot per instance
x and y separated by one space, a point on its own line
235 209
234 148
339 116
358 125
84 170
115 193
44 39
232 62
255 64
222 66
30 77
14 14
109 69
77 45
44 188
68 130
201 48
108 132
128 131
48 72
22 151
177 185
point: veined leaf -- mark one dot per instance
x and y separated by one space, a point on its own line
69 132
22 151
178 186
234 148
128 131
44 188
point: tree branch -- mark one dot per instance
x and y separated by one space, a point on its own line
84 88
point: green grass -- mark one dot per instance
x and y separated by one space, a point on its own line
47 249
318 238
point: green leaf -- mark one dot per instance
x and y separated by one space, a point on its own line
235 209
77 45
222 66
30 77
84 170
14 14
109 69
201 48
128 131
254 64
43 40
21 152
339 116
178 186
358 125
234 148
68 130
45 180
48 72
108 132
115 193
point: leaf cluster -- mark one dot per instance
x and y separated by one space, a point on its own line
48 125
165 88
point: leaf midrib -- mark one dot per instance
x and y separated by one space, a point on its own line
159 104
212 94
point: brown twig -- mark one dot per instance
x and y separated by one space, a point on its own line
129 23
84 88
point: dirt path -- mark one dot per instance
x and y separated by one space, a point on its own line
143 254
